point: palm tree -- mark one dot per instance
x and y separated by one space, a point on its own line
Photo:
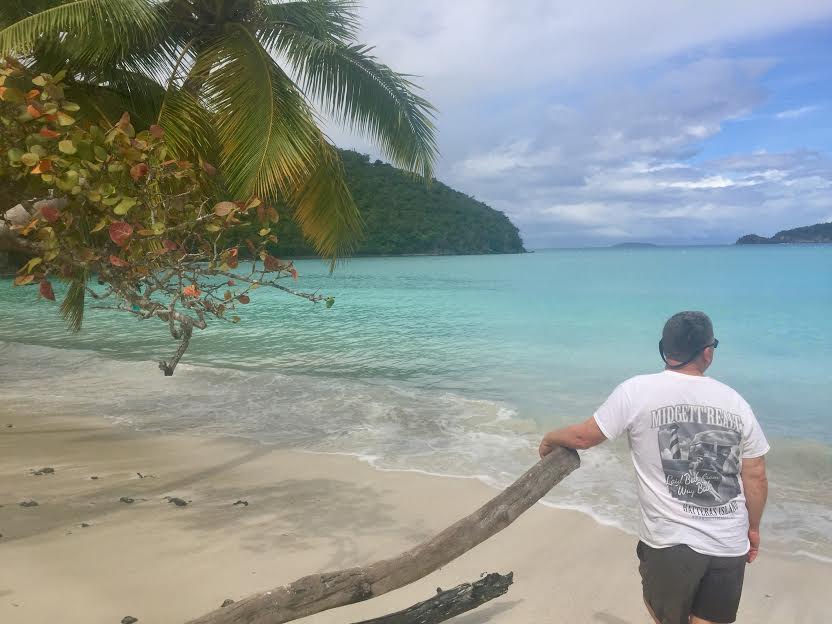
236 82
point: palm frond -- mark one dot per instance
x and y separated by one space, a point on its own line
189 126
271 144
361 93
325 209
72 307
108 27
323 19
125 91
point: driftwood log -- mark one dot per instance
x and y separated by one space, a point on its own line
319 592
450 603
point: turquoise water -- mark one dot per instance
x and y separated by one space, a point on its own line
455 365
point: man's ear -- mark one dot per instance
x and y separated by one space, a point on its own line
708 356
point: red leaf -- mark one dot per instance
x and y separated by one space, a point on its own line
34 112
137 172
170 245
191 291
294 273
243 298
118 262
46 290
233 252
50 213
49 134
232 262
42 167
120 232
271 263
157 131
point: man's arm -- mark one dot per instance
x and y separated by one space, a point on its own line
581 436
755 485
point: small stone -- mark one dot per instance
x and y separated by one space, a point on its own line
84 525
126 499
94 477
129 619
43 471
176 501
29 503
9 426
241 502
226 602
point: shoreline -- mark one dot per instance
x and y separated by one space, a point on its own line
308 512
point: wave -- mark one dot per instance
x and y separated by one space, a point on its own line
390 427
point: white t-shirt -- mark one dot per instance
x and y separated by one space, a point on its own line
688 436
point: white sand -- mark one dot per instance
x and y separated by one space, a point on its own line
307 513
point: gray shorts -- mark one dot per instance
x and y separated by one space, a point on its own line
679 582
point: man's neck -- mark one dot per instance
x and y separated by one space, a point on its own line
689 369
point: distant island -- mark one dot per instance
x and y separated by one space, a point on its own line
404 216
818 233
633 245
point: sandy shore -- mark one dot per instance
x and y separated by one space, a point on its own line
307 513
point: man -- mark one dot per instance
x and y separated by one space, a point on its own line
698 453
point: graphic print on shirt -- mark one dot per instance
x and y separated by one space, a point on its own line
700 453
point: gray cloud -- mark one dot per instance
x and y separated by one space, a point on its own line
582 120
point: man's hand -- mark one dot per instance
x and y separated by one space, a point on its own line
754 539
546 447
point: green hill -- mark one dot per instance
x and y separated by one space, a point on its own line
402 215
818 233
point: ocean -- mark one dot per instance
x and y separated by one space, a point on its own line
456 365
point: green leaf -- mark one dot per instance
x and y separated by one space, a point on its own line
29 266
67 147
125 205
64 119
224 208
39 81
29 159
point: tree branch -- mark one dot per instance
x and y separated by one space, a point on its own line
328 590
450 603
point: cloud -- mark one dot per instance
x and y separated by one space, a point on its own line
794 113
585 122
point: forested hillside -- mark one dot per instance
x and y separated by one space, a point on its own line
402 215
818 233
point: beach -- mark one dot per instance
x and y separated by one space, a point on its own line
306 513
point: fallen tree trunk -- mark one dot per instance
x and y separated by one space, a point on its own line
450 603
319 592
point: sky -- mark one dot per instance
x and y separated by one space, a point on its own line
596 122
